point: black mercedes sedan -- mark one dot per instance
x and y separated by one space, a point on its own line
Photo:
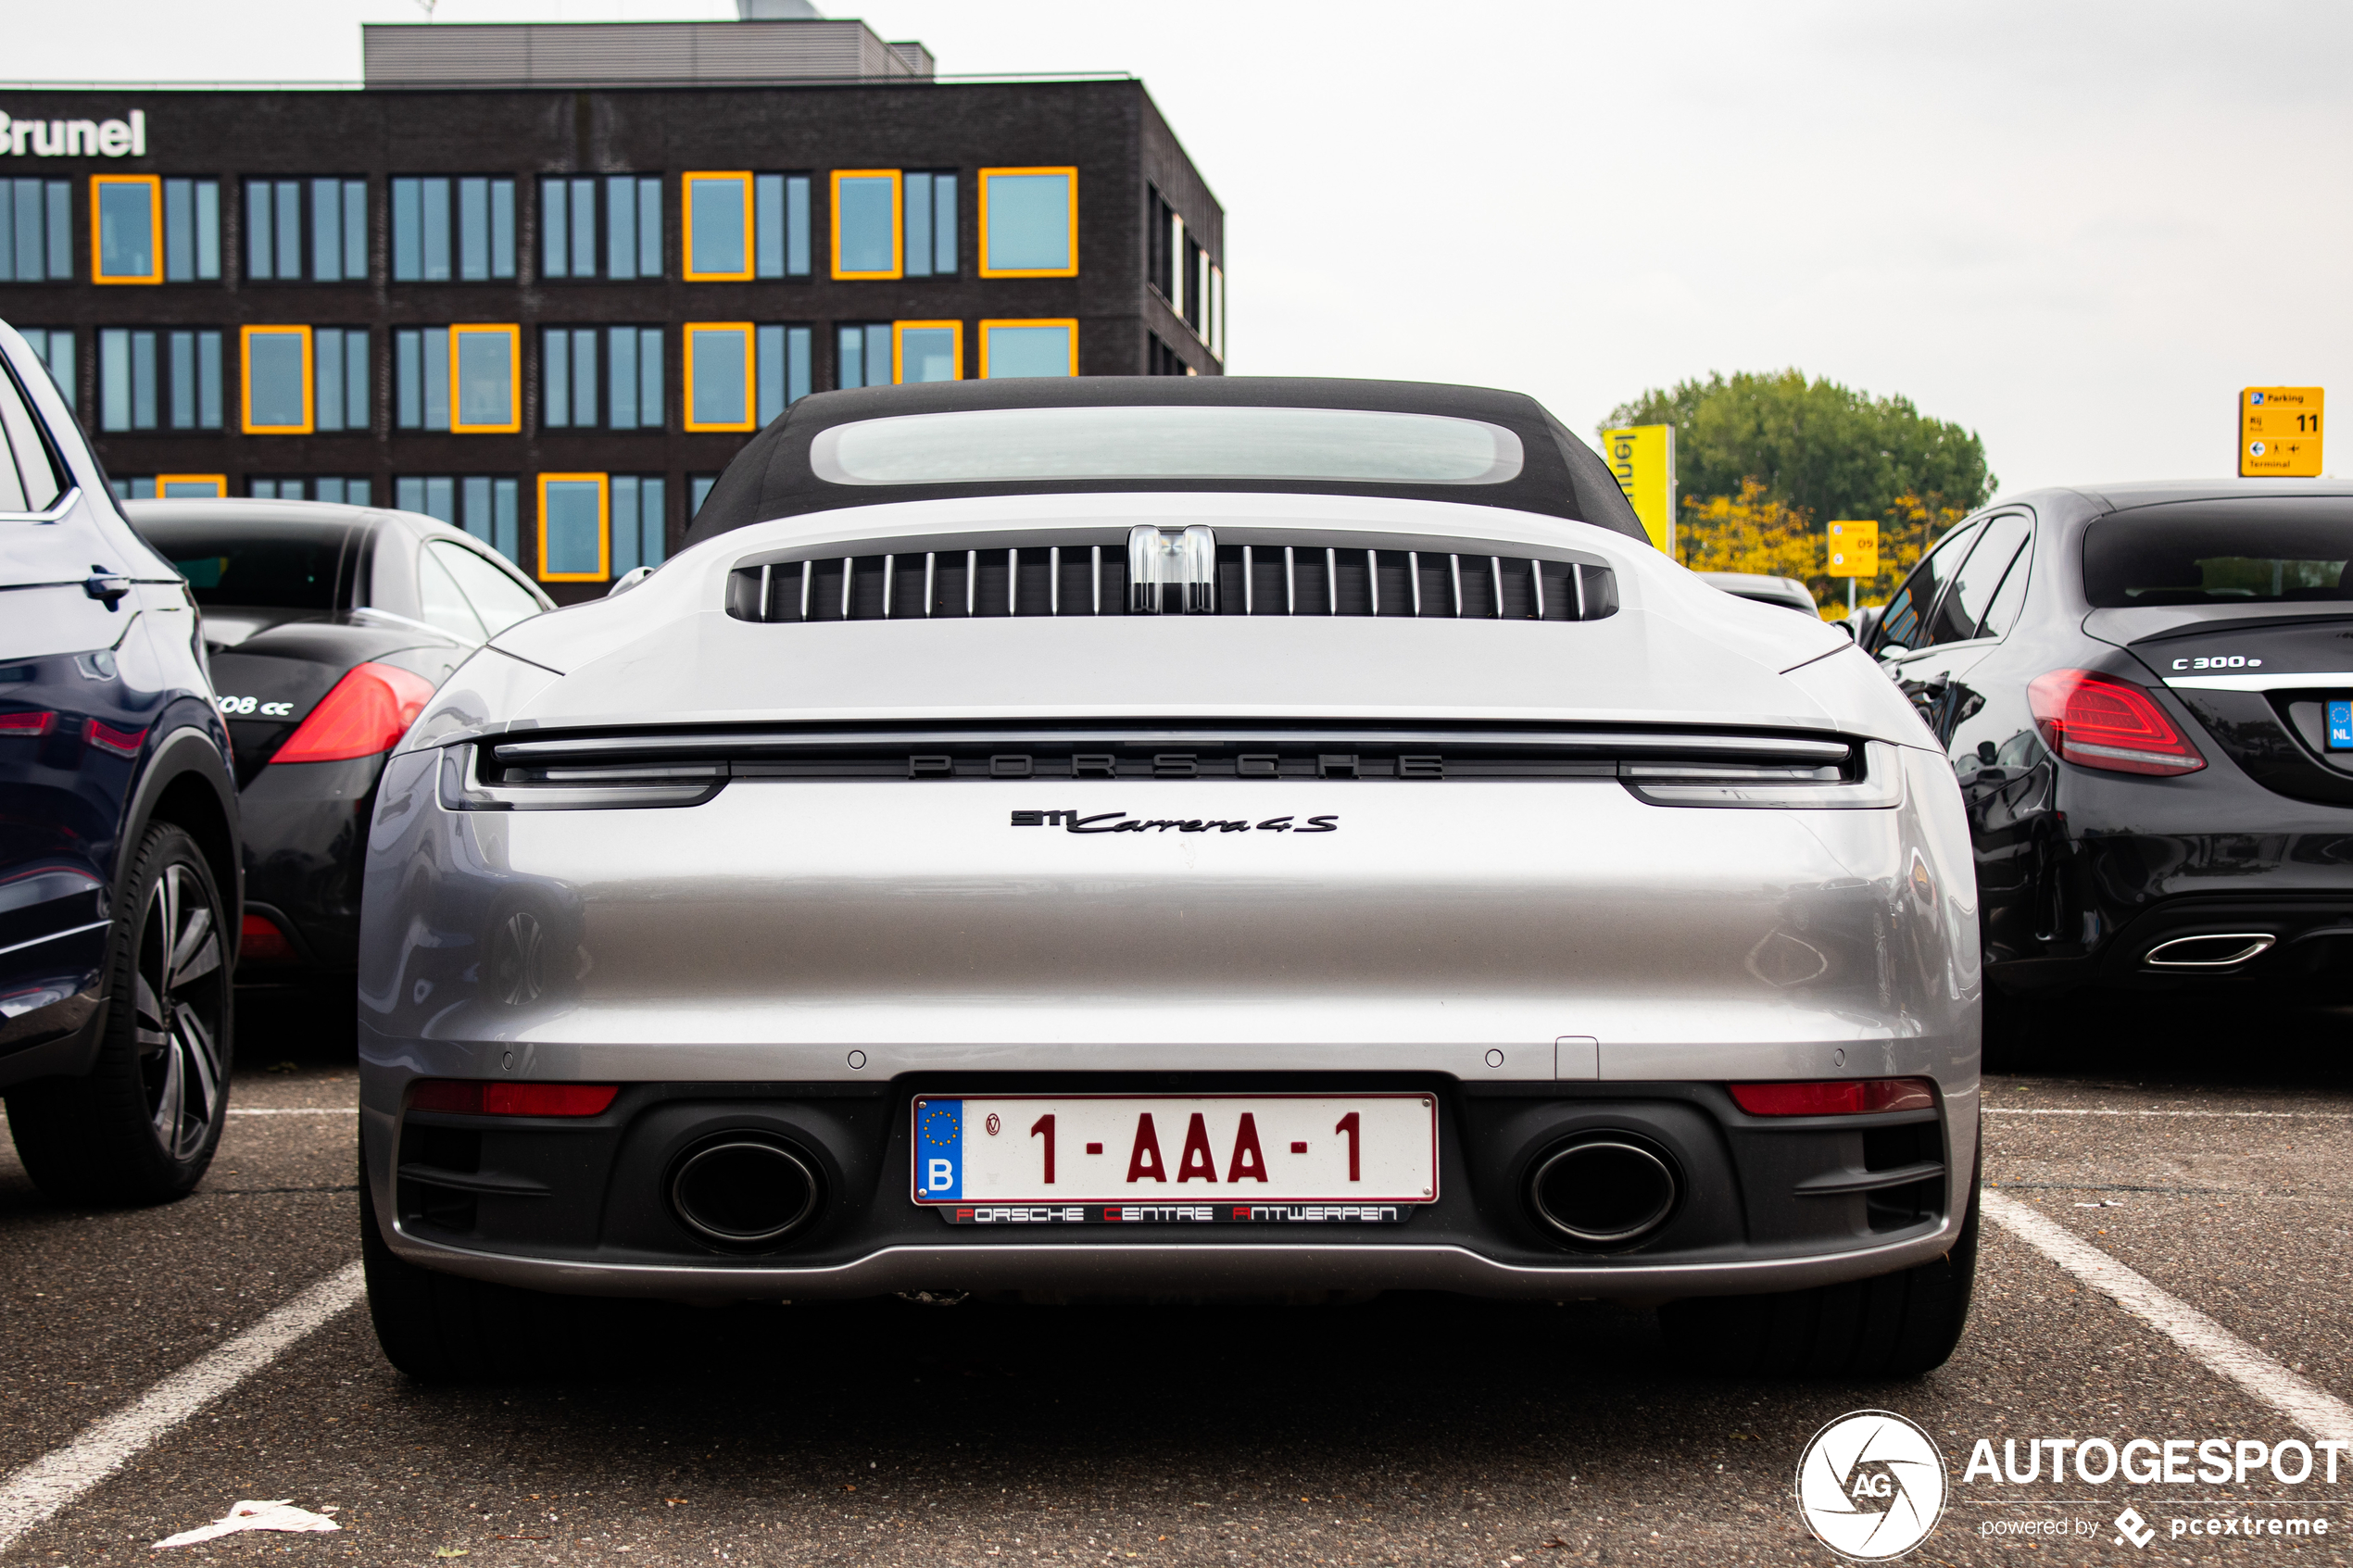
328 628
2147 693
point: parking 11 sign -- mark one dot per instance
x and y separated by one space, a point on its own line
2280 432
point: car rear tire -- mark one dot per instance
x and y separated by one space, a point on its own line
141 1127
1898 1326
444 1328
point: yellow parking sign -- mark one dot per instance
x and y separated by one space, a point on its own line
2280 432
1854 547
1642 459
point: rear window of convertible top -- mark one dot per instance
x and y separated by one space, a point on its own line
1184 441
2265 552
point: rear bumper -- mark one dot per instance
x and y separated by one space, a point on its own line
2296 944
580 1205
305 838
2106 868
1187 1268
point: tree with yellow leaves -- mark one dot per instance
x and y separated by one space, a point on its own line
1753 533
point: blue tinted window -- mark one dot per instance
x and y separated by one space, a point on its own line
625 524
722 360
125 231
421 230
486 379
716 211
1028 351
928 354
867 222
916 193
572 529
273 380
784 363
1028 223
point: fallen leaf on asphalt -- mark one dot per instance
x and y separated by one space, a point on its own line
251 1515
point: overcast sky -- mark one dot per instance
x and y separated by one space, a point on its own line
2077 229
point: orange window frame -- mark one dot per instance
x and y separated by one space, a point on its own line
244 382
513 335
153 182
604 527
898 222
899 330
1068 323
1069 172
687 226
220 483
751 376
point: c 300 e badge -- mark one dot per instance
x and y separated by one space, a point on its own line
1120 822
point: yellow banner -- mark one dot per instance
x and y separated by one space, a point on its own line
2279 431
1853 547
1642 457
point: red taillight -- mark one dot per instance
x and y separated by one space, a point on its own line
106 737
30 723
260 941
473 1098
369 710
2099 721
1844 1096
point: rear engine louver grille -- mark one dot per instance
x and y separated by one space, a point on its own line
1104 579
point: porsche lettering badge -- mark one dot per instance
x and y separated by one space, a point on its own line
1120 822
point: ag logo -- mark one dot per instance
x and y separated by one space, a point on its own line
1871 1486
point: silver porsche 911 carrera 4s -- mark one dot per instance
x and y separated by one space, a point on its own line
1173 838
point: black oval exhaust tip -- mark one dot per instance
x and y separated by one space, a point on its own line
741 1190
1604 1190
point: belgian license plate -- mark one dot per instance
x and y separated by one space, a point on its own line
1097 1157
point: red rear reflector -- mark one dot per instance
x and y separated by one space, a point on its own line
106 737
260 941
32 722
2098 721
369 710
473 1098
1844 1096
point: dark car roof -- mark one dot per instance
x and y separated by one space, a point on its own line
772 476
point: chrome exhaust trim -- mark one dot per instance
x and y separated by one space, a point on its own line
2219 950
1604 1190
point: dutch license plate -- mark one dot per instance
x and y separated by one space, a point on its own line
1226 1152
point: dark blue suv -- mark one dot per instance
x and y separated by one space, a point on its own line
120 901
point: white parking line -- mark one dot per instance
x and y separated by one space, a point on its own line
296 1110
2072 1111
57 1478
2314 1408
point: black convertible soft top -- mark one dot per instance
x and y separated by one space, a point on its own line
772 477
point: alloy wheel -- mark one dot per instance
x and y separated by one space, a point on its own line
181 979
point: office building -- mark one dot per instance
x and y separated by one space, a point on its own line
544 279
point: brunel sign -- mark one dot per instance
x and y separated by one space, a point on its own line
75 138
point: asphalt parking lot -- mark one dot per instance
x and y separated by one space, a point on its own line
2209 1150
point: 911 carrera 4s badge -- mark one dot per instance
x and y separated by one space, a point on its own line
1120 822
